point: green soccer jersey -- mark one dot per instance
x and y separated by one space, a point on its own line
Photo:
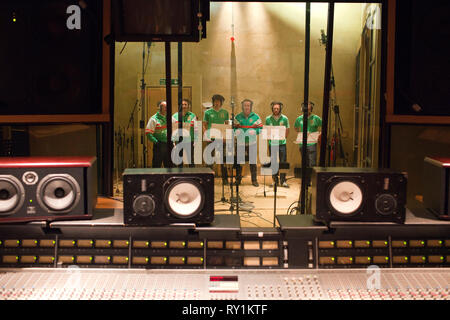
281 121
252 122
156 130
212 116
189 118
314 123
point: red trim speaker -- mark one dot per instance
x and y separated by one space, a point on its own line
47 188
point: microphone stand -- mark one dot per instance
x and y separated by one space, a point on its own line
235 165
338 134
131 123
304 181
142 102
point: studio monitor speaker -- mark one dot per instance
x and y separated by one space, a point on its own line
160 196
358 194
436 186
47 188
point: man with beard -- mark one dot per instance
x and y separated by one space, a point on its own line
278 119
187 117
217 115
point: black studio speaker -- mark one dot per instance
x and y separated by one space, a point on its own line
160 20
160 196
47 188
358 194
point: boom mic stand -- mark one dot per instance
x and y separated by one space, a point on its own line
142 102
338 128
235 164
131 123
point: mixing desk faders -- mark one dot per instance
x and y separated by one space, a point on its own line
113 284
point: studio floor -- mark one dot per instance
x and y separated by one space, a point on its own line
256 206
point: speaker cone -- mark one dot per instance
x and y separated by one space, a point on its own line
345 197
58 193
144 205
12 194
385 204
184 198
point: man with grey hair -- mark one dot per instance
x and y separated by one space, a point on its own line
156 132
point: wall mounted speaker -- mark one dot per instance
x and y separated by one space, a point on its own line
47 188
358 194
160 196
436 186
158 20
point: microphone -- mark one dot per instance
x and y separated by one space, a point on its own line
323 37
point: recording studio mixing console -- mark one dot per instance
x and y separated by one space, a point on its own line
113 284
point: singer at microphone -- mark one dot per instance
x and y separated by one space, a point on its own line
217 115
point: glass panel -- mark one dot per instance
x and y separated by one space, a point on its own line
256 51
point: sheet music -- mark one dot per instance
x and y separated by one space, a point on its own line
313 137
219 131
186 129
273 132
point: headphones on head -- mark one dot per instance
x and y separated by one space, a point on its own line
311 103
276 102
159 103
247 100
217 97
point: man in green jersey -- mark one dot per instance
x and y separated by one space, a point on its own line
278 119
314 125
156 132
248 125
217 115
187 117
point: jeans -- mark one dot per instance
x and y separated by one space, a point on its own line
160 155
189 155
281 156
311 155
223 168
253 168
